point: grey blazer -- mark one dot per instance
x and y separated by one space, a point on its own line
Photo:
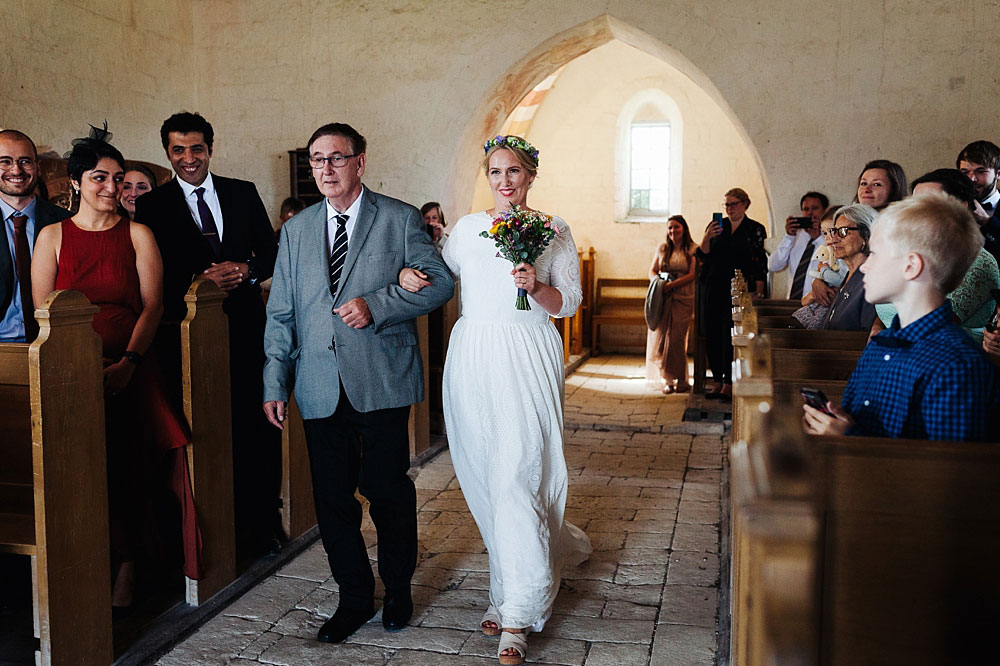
312 350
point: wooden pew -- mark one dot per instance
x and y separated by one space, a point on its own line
205 384
774 306
298 509
53 483
775 375
776 525
902 569
618 302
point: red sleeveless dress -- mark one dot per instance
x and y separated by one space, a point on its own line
146 435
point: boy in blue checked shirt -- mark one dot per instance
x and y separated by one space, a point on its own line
923 377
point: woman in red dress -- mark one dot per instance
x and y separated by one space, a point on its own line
116 264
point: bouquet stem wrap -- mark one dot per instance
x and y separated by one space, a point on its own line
521 303
521 235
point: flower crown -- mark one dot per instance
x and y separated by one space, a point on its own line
512 141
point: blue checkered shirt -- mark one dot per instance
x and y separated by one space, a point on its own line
925 381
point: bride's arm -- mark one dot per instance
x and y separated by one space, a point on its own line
563 295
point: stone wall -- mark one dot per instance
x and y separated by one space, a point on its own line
816 88
67 63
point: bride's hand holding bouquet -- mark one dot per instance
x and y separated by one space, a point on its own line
521 235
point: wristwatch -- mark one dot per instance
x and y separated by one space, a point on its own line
252 277
134 357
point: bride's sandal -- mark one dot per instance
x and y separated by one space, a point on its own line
490 616
513 639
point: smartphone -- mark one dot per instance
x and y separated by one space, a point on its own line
803 222
815 398
994 322
717 217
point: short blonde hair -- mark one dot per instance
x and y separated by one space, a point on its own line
940 229
739 193
522 156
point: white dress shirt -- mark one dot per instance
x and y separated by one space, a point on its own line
331 220
211 198
789 253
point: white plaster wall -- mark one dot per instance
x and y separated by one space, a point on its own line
819 87
576 130
66 63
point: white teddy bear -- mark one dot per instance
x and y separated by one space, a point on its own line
830 269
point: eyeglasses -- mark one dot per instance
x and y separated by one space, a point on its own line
731 204
839 231
26 163
334 161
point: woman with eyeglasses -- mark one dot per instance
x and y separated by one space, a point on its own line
848 238
734 242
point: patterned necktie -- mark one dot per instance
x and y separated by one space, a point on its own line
22 263
208 228
799 281
338 253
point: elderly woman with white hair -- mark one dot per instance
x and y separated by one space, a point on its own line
848 238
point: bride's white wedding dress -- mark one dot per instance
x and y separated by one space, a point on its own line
503 407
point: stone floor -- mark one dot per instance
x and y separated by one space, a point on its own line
643 486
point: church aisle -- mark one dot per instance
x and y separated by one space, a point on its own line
643 487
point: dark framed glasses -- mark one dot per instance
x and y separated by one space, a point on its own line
839 231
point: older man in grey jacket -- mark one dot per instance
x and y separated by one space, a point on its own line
341 333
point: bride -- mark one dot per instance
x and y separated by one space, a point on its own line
503 403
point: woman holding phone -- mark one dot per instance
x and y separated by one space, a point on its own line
730 243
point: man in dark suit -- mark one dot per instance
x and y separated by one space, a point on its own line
23 214
980 162
217 228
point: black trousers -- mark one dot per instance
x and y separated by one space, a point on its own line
717 318
370 452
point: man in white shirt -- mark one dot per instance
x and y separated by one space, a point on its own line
802 238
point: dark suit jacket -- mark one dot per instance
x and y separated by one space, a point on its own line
247 236
991 236
45 214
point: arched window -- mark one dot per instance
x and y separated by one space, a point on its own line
649 169
648 158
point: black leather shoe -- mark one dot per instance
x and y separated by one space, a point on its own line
274 546
397 611
343 623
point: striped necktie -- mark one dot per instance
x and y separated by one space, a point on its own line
338 254
799 281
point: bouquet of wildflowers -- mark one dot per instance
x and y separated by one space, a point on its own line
521 236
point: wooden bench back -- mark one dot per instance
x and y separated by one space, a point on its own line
900 566
775 534
765 374
911 533
619 302
205 384
53 495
